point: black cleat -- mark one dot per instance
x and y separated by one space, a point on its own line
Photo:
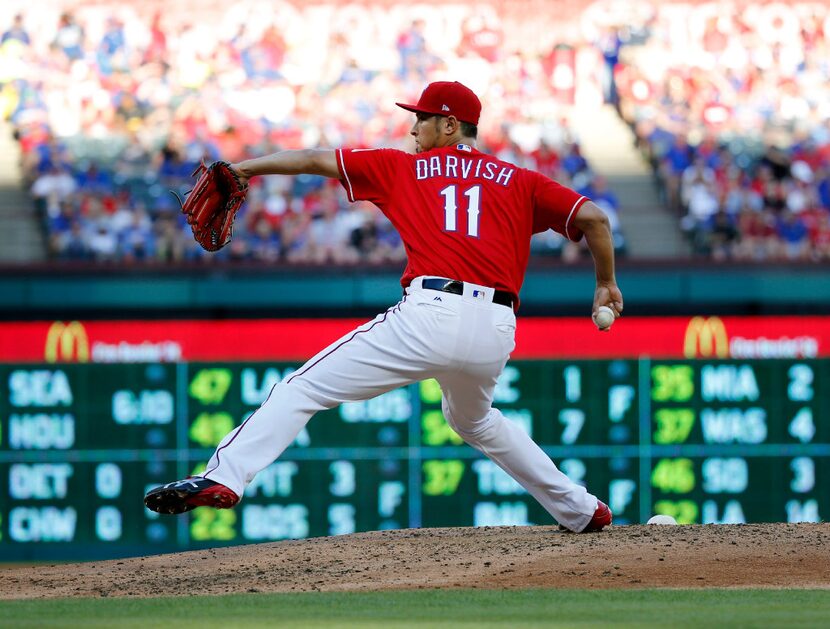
184 495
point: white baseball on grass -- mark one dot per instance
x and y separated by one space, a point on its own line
661 519
604 317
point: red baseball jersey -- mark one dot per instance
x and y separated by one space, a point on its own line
462 214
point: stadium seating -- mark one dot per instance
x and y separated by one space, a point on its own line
735 123
114 105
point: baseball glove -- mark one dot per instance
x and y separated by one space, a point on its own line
212 205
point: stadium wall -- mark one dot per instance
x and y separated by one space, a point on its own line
228 291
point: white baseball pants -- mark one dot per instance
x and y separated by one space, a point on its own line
463 341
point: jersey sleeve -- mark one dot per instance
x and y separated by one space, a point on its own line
555 207
368 174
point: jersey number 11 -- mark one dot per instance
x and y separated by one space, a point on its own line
450 195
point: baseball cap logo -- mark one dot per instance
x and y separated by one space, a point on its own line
444 108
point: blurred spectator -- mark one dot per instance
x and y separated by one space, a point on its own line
794 236
330 236
94 180
136 241
157 48
296 240
723 235
481 38
820 237
16 32
546 160
264 244
170 241
574 163
364 240
609 44
71 244
111 54
823 187
674 164
412 48
263 59
739 196
70 37
52 188
102 242
757 239
698 195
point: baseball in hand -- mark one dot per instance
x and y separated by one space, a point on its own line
604 317
661 519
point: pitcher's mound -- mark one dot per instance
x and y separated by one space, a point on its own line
749 555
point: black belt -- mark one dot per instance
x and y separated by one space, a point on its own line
456 287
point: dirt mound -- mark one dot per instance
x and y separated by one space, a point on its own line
750 555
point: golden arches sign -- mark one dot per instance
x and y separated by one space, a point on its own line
706 337
66 342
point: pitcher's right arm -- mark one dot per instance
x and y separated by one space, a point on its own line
593 222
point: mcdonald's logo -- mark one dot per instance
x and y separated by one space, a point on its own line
67 342
706 337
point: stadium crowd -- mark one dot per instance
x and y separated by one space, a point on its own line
736 125
111 116
732 110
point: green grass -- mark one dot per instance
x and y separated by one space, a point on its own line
477 609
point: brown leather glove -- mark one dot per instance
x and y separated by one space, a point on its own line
212 205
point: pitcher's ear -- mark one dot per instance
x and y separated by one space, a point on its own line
451 124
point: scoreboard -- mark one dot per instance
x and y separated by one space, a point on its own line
706 441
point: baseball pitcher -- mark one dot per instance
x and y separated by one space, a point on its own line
466 219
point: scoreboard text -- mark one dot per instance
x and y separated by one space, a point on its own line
718 441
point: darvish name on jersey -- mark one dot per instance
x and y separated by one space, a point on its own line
462 168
